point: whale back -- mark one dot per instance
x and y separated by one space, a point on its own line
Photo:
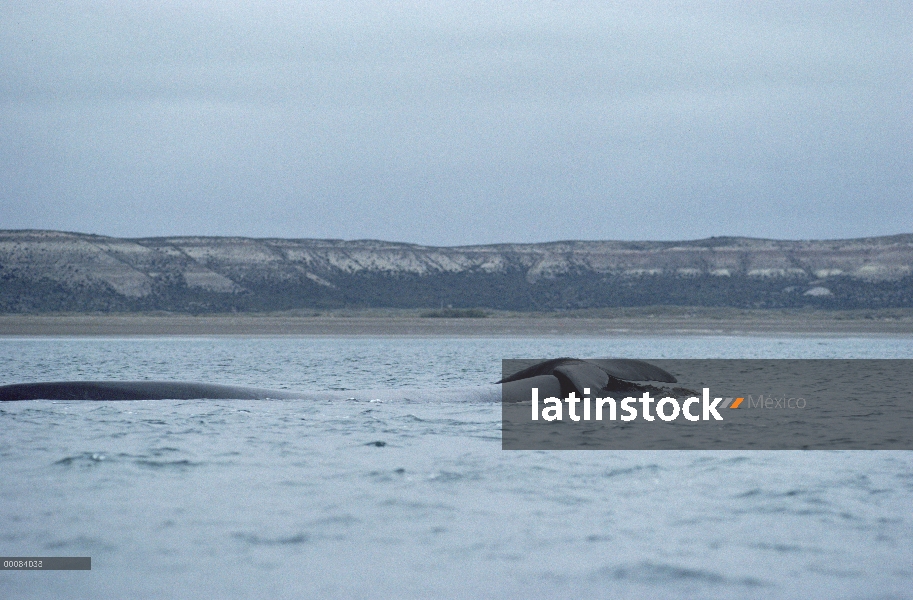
135 390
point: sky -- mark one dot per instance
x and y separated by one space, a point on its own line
457 123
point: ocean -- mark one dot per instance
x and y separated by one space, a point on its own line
387 480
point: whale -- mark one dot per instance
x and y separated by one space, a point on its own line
553 377
559 377
137 390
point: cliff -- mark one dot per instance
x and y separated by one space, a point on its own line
44 271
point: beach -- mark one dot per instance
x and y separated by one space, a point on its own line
618 322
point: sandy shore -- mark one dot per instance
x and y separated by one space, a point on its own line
704 322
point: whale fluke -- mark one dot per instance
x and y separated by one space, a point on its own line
632 370
558 377
136 390
519 391
620 368
582 375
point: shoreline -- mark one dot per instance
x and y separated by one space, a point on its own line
702 323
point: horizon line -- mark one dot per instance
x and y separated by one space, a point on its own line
721 238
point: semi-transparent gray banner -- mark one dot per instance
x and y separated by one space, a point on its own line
602 404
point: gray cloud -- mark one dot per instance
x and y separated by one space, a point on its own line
455 123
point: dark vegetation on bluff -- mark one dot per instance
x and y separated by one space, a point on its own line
456 291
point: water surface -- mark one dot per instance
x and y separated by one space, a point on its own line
389 480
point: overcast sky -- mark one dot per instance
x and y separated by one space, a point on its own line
461 122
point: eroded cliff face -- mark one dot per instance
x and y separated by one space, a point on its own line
50 270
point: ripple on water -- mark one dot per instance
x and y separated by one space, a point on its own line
664 574
88 459
180 465
259 540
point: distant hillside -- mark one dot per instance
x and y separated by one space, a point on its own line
42 271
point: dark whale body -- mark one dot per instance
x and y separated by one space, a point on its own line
556 377
136 390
